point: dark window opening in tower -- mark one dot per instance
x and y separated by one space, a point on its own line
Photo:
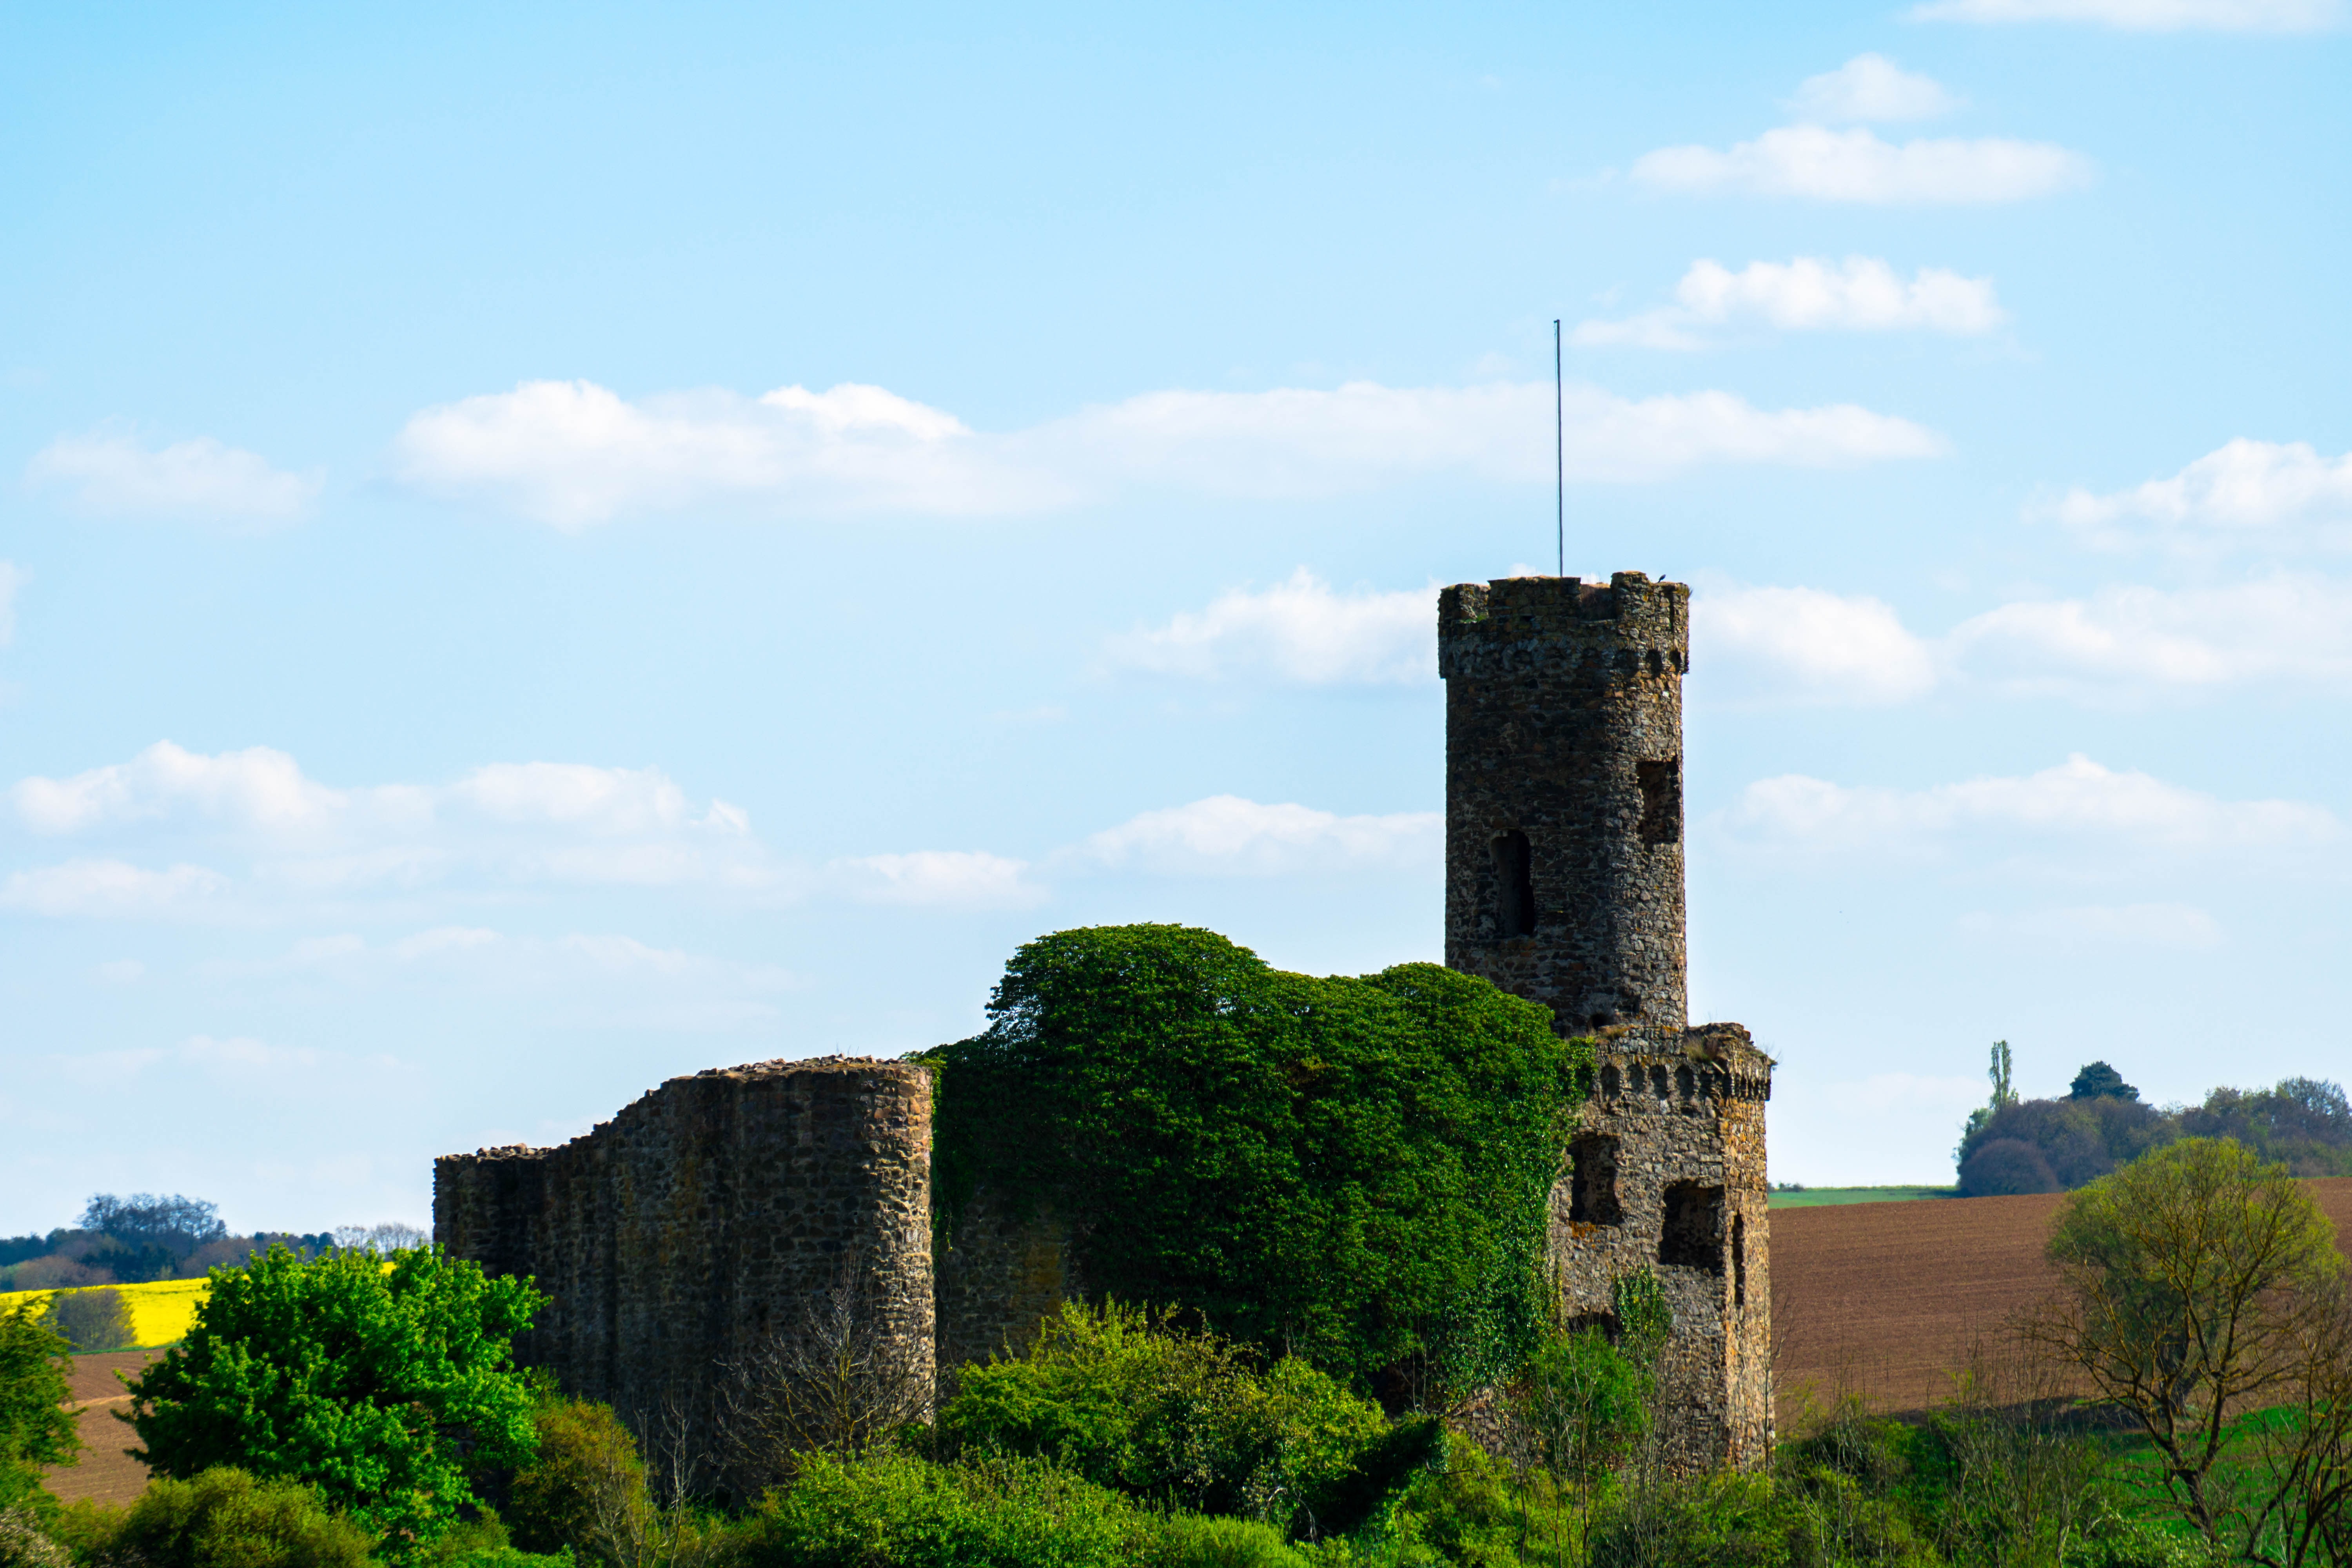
1739 1260
1592 1181
1684 1085
1657 664
1611 1084
1692 1236
1657 1083
1661 799
1514 913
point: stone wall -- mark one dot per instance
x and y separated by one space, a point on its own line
1667 1169
1563 793
676 1237
999 1277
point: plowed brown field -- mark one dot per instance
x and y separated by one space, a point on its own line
1884 1298
106 1472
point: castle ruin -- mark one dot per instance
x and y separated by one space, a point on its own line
676 1237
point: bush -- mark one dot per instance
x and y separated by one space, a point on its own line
1354 1171
222 1518
35 1430
585 1489
1118 1396
894 1510
1586 1402
380 1385
24 1544
93 1320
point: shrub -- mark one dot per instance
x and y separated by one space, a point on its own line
1122 1397
35 1430
1355 1171
584 1489
1191 1541
380 1385
222 1518
894 1510
93 1320
1585 1402
24 1544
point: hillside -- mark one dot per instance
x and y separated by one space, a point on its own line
1884 1297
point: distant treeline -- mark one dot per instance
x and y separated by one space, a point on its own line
2014 1145
128 1241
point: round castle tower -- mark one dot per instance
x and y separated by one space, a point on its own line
1564 885
1564 794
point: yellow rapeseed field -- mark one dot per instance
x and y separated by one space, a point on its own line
161 1313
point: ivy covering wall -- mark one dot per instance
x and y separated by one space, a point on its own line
1354 1171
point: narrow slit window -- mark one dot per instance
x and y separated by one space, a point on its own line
1661 799
1515 886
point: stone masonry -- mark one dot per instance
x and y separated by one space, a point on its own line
1564 885
675 1237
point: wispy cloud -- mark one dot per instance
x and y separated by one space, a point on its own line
1819 163
12 578
2077 800
109 472
1806 647
939 878
2245 491
1300 631
1227 836
1870 87
573 453
2149 16
1863 294
2171 926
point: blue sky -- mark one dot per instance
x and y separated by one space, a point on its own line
549 550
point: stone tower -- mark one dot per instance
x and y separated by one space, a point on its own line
1564 885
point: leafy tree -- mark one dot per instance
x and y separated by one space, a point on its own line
36 1429
1353 1170
2303 1123
2100 1081
2195 1281
585 1489
179 1224
2003 1093
376 1383
2078 1140
92 1320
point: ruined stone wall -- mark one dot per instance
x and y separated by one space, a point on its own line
675 1237
999 1277
1564 885
1564 793
1667 1169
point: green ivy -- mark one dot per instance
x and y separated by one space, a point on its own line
1352 1170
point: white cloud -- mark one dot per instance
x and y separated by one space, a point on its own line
1805 645
1870 86
1807 294
939 878
573 453
258 788
2129 642
2149 16
103 889
2173 927
1228 836
2077 800
12 578
110 472
1299 630
1855 165
2255 492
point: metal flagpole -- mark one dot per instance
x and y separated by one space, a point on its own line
1559 452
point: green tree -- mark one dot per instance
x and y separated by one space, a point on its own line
1352 1170
92 1320
2004 1092
36 1429
378 1382
2100 1081
2194 1282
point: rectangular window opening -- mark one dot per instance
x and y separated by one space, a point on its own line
1515 883
1692 1236
1661 799
1592 1181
